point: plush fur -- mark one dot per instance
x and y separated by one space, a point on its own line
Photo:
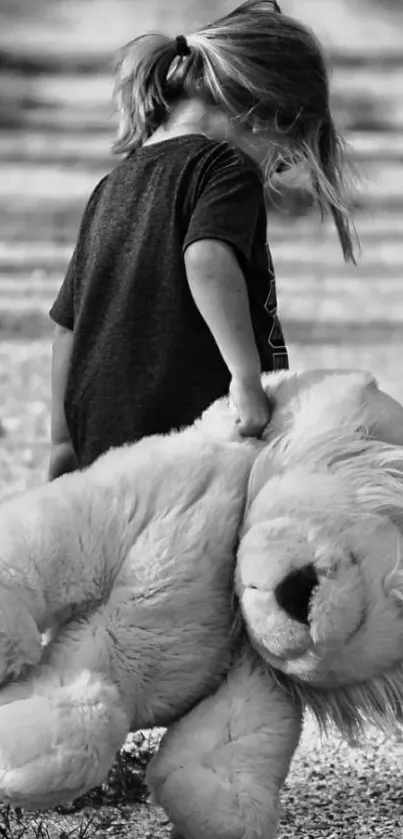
331 499
128 569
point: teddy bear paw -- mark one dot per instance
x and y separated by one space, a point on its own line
58 737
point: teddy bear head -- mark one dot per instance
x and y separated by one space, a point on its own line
320 572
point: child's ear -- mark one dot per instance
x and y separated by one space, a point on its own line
20 639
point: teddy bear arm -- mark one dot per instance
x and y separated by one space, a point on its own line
220 769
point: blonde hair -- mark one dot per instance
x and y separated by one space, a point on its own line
262 69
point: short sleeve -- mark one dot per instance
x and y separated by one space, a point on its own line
63 309
228 201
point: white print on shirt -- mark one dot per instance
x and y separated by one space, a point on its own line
275 339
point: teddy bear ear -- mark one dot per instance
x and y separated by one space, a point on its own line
393 582
385 415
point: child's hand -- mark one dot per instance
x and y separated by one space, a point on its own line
252 404
62 460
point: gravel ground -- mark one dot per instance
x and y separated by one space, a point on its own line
335 791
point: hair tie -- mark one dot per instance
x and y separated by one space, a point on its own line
182 46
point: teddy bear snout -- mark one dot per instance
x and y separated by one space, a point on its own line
294 593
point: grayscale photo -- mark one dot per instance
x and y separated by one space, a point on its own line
201 419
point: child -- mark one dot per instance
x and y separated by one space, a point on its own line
170 296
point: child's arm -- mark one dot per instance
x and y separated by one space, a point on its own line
62 458
219 290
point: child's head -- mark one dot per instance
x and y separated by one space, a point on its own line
264 72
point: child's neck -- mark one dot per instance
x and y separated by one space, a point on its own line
190 117
193 116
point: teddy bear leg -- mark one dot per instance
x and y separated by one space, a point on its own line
219 770
59 733
61 726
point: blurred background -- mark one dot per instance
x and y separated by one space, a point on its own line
56 130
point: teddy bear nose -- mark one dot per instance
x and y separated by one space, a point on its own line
294 593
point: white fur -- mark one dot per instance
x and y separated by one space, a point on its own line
219 769
129 568
42 725
330 494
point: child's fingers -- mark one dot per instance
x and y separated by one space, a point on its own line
251 427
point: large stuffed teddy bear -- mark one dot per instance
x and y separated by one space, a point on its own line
118 609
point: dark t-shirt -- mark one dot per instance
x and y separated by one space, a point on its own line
144 360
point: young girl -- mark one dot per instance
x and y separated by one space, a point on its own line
170 296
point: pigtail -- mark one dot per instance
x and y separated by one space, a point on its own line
141 93
263 70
